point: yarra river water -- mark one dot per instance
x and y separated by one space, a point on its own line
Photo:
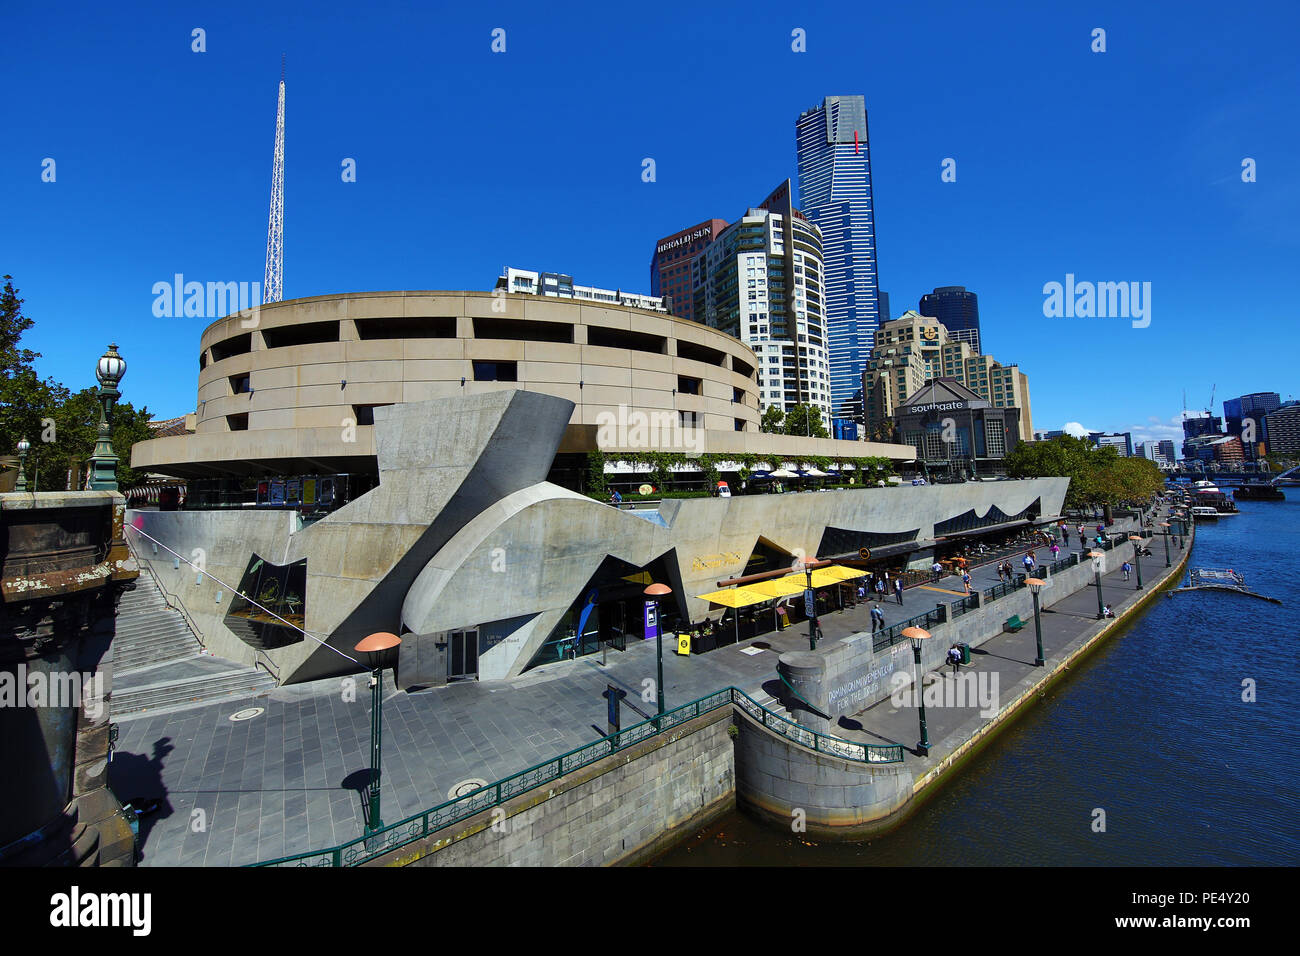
1151 728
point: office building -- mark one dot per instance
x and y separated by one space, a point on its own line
1120 441
1253 408
761 280
557 285
1283 428
670 266
912 350
957 309
955 431
835 194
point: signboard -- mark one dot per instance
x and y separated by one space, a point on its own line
864 553
309 491
263 492
937 407
277 492
684 645
651 620
293 491
809 603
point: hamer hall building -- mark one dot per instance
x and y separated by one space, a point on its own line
441 465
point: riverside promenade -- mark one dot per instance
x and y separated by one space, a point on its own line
290 779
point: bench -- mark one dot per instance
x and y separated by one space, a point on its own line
1013 623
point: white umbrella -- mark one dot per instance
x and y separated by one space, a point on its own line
816 473
782 473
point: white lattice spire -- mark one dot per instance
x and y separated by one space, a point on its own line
273 280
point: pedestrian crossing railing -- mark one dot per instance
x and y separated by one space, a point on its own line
421 825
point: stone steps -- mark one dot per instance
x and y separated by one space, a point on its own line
193 691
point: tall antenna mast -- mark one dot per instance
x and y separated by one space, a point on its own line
273 280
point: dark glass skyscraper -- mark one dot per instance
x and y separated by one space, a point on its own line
957 309
835 195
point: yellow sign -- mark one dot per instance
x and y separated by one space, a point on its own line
930 333
684 644
707 561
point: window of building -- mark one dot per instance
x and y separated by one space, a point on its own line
496 371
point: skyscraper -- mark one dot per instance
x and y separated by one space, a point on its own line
670 266
761 281
835 195
957 310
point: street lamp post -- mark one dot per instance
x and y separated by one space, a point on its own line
109 371
373 647
654 592
1036 585
917 635
1097 558
810 604
23 446
1165 525
1137 556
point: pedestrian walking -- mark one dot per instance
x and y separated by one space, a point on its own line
880 588
1065 534
954 657
1126 568
1082 539
877 619
898 589
937 570
965 581
1055 551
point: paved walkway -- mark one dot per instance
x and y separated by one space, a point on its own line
290 780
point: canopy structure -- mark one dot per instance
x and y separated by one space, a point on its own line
835 574
782 473
734 597
816 473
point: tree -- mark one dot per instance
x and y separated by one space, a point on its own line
1098 476
771 422
61 427
804 420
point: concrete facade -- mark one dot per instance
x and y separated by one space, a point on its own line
464 532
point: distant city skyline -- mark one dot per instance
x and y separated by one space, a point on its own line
107 207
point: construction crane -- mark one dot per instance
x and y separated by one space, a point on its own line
1210 409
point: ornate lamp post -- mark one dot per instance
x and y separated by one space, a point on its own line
23 446
654 592
1165 525
810 603
109 371
917 635
1137 556
1036 585
373 647
1097 558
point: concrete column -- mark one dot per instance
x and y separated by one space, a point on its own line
805 672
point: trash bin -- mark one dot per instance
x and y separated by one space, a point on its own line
965 653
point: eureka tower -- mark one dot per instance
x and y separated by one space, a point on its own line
835 195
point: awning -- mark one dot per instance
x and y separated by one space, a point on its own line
838 572
984 530
780 587
734 597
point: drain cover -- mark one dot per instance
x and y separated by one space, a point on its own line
248 713
465 786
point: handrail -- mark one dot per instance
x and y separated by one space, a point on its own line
416 827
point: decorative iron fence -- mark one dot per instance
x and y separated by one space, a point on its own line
960 607
1002 590
419 826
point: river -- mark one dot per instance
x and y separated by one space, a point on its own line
1152 729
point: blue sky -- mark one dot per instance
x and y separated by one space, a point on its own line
1117 166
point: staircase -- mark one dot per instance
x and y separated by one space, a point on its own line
159 666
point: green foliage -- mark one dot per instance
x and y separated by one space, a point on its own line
805 420
60 425
771 422
1098 476
597 483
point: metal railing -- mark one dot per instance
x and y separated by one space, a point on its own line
894 634
419 826
960 607
1002 590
